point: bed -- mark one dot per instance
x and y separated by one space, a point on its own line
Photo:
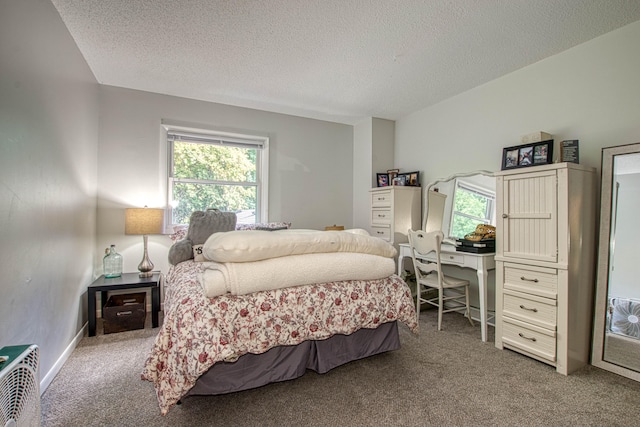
239 339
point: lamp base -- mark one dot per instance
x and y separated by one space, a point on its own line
146 266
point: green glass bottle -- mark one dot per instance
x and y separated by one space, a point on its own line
112 263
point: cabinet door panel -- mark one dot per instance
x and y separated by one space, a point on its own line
530 216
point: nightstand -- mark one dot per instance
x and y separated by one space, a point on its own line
124 282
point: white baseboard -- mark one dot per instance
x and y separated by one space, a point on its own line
48 378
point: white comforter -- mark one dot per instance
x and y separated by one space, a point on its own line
242 262
241 278
255 245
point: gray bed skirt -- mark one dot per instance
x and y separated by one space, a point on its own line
289 362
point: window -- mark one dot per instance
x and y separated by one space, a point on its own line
471 206
216 170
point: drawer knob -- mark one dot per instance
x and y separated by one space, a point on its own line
521 335
505 216
381 216
529 280
535 310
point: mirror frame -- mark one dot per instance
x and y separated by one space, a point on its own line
602 277
449 178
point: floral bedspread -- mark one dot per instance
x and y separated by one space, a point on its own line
198 331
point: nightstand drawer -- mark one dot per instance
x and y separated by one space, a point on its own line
530 308
530 338
381 216
381 198
532 280
382 232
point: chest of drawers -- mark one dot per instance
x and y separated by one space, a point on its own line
394 210
544 257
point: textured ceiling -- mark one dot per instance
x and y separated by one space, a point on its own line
337 60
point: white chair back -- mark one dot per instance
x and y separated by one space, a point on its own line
422 244
425 253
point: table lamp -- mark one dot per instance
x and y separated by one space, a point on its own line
144 221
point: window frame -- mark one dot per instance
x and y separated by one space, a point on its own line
217 137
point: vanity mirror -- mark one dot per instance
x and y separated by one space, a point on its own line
616 334
469 200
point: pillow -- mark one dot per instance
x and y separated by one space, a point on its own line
272 228
266 226
246 245
179 232
202 224
197 253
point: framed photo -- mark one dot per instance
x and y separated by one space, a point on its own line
393 173
521 156
383 179
411 179
414 179
400 180
570 151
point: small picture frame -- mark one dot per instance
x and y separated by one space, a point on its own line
383 179
399 181
570 151
414 179
393 173
411 179
521 156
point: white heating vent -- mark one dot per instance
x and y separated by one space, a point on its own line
19 386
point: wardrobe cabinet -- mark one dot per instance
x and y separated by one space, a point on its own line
394 210
545 262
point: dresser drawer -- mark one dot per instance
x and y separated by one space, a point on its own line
530 308
532 280
381 198
540 342
381 216
381 232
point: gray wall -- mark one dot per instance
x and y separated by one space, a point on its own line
309 172
373 141
48 163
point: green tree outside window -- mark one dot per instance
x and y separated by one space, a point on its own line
212 176
470 209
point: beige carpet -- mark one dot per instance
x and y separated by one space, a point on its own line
437 378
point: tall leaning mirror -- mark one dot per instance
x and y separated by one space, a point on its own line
616 335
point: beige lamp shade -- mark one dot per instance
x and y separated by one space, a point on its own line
143 221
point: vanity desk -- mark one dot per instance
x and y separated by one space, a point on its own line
442 213
481 263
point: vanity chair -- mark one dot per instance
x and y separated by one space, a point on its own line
425 253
